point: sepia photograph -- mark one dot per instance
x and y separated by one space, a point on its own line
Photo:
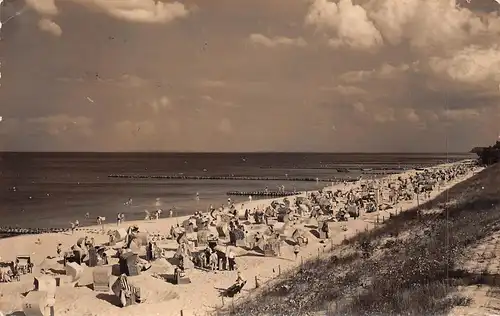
249 157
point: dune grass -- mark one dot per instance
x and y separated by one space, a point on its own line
400 268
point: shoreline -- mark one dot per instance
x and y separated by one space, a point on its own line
203 283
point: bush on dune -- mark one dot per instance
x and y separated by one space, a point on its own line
399 268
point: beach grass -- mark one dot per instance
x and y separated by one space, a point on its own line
406 266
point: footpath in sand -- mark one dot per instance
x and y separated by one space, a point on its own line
482 264
162 298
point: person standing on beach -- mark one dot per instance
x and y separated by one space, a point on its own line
231 259
72 227
87 215
171 213
59 249
118 219
122 217
77 224
296 250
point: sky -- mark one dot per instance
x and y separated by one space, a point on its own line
249 75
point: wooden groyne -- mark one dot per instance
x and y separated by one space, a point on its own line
184 177
16 231
13 231
241 178
263 193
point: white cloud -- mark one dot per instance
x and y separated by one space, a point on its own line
213 83
359 107
44 7
350 23
142 11
225 126
50 27
131 81
411 115
425 25
469 65
60 124
384 115
161 104
345 90
125 80
385 71
460 114
210 99
277 41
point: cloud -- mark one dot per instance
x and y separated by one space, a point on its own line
141 11
384 115
276 41
58 125
344 90
472 64
131 81
385 71
156 105
44 7
225 126
50 27
359 107
160 104
460 114
350 23
123 81
425 25
222 103
213 83
411 115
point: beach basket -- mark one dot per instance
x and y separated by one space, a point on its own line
37 303
101 278
74 271
45 284
24 264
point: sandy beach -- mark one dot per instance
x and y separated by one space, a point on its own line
162 298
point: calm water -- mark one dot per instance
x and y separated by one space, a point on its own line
52 189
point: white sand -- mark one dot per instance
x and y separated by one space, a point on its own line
163 298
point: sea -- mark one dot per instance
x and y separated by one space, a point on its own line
50 190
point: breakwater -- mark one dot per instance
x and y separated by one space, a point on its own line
16 231
262 193
229 177
184 177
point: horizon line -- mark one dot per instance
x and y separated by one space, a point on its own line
233 152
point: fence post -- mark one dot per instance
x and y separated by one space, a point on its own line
279 269
182 312
257 285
